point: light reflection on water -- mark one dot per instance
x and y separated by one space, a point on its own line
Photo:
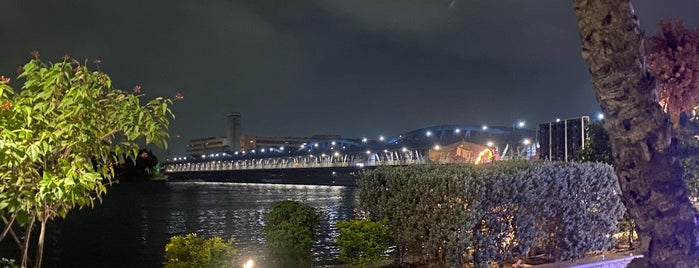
133 224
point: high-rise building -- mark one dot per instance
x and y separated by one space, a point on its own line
561 140
233 132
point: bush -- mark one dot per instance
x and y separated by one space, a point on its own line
290 229
362 242
494 213
194 251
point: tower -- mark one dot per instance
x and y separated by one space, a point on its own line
233 131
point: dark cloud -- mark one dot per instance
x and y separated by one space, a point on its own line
303 67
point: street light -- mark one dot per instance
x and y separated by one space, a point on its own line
600 116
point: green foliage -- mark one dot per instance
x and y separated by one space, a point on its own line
494 213
597 147
687 145
62 134
290 230
194 251
688 155
362 242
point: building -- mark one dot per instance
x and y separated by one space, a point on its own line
561 140
249 142
233 132
208 145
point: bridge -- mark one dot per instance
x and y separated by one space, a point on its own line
344 159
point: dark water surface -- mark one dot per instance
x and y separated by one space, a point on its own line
135 221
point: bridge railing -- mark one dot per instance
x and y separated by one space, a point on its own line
250 165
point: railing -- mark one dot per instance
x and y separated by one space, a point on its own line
310 161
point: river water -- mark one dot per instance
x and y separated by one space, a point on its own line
135 220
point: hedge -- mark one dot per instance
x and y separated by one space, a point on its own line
494 213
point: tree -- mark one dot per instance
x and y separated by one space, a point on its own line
640 134
597 144
673 59
290 230
60 137
193 251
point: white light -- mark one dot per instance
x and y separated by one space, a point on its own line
334 172
236 153
243 152
263 150
333 143
336 154
315 145
485 127
216 155
436 147
457 130
364 140
253 151
526 141
558 120
249 264
600 116
385 151
281 148
381 138
429 133
322 155
490 144
521 124
404 149
203 156
368 152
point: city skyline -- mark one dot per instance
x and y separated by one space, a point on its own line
359 68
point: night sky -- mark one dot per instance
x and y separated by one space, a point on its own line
350 67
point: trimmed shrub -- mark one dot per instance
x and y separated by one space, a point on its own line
362 242
290 230
194 251
494 213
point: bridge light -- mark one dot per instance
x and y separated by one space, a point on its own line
281 148
484 127
521 124
368 152
364 140
315 145
600 116
336 154
526 141
385 151
333 143
381 138
457 130
404 149
428 133
263 150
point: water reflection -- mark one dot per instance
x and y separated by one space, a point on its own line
133 224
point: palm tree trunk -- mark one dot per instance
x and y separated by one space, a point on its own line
640 137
